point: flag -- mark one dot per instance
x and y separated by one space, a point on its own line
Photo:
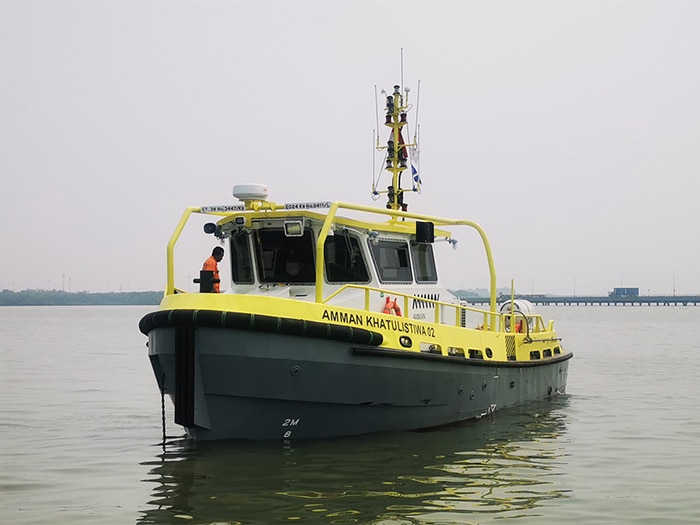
415 162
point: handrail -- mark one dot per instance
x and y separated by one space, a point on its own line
170 287
500 326
394 216
320 251
170 262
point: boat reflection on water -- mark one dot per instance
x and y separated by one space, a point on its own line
504 466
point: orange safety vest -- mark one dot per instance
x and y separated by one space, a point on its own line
212 266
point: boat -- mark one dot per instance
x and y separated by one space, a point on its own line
335 321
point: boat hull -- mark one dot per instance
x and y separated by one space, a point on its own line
242 384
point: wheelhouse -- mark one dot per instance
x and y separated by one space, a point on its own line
283 252
294 251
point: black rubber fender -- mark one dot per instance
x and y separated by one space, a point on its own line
258 323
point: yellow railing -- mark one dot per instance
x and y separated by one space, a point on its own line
503 324
531 323
395 217
170 255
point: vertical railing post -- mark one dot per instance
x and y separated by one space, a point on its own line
170 254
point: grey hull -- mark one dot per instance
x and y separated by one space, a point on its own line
239 384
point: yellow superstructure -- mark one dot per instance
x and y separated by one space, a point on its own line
443 333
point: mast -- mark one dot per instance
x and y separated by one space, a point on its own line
397 150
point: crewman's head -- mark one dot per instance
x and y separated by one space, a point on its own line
218 253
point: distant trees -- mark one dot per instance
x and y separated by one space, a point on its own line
62 298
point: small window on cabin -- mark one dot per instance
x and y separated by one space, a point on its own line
343 260
392 261
424 263
282 259
241 262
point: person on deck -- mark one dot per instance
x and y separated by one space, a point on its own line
212 265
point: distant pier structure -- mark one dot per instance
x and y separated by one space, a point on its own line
608 300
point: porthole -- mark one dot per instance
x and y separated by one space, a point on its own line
475 354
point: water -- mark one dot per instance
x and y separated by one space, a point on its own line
81 438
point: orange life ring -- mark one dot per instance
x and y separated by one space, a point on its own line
392 307
387 305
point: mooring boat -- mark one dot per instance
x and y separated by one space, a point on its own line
335 322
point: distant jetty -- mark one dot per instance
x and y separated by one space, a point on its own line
607 300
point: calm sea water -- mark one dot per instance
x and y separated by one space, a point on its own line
81 438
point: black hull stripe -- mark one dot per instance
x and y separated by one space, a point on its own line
387 352
258 323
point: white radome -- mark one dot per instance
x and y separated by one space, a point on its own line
250 192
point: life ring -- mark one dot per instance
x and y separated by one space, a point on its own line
392 307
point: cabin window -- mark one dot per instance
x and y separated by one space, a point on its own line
241 262
392 261
424 263
343 260
282 259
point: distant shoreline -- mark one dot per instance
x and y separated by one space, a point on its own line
63 298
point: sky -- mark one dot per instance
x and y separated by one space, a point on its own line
568 129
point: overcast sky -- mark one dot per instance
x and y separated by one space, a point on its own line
570 130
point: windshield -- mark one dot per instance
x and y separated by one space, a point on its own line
282 259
